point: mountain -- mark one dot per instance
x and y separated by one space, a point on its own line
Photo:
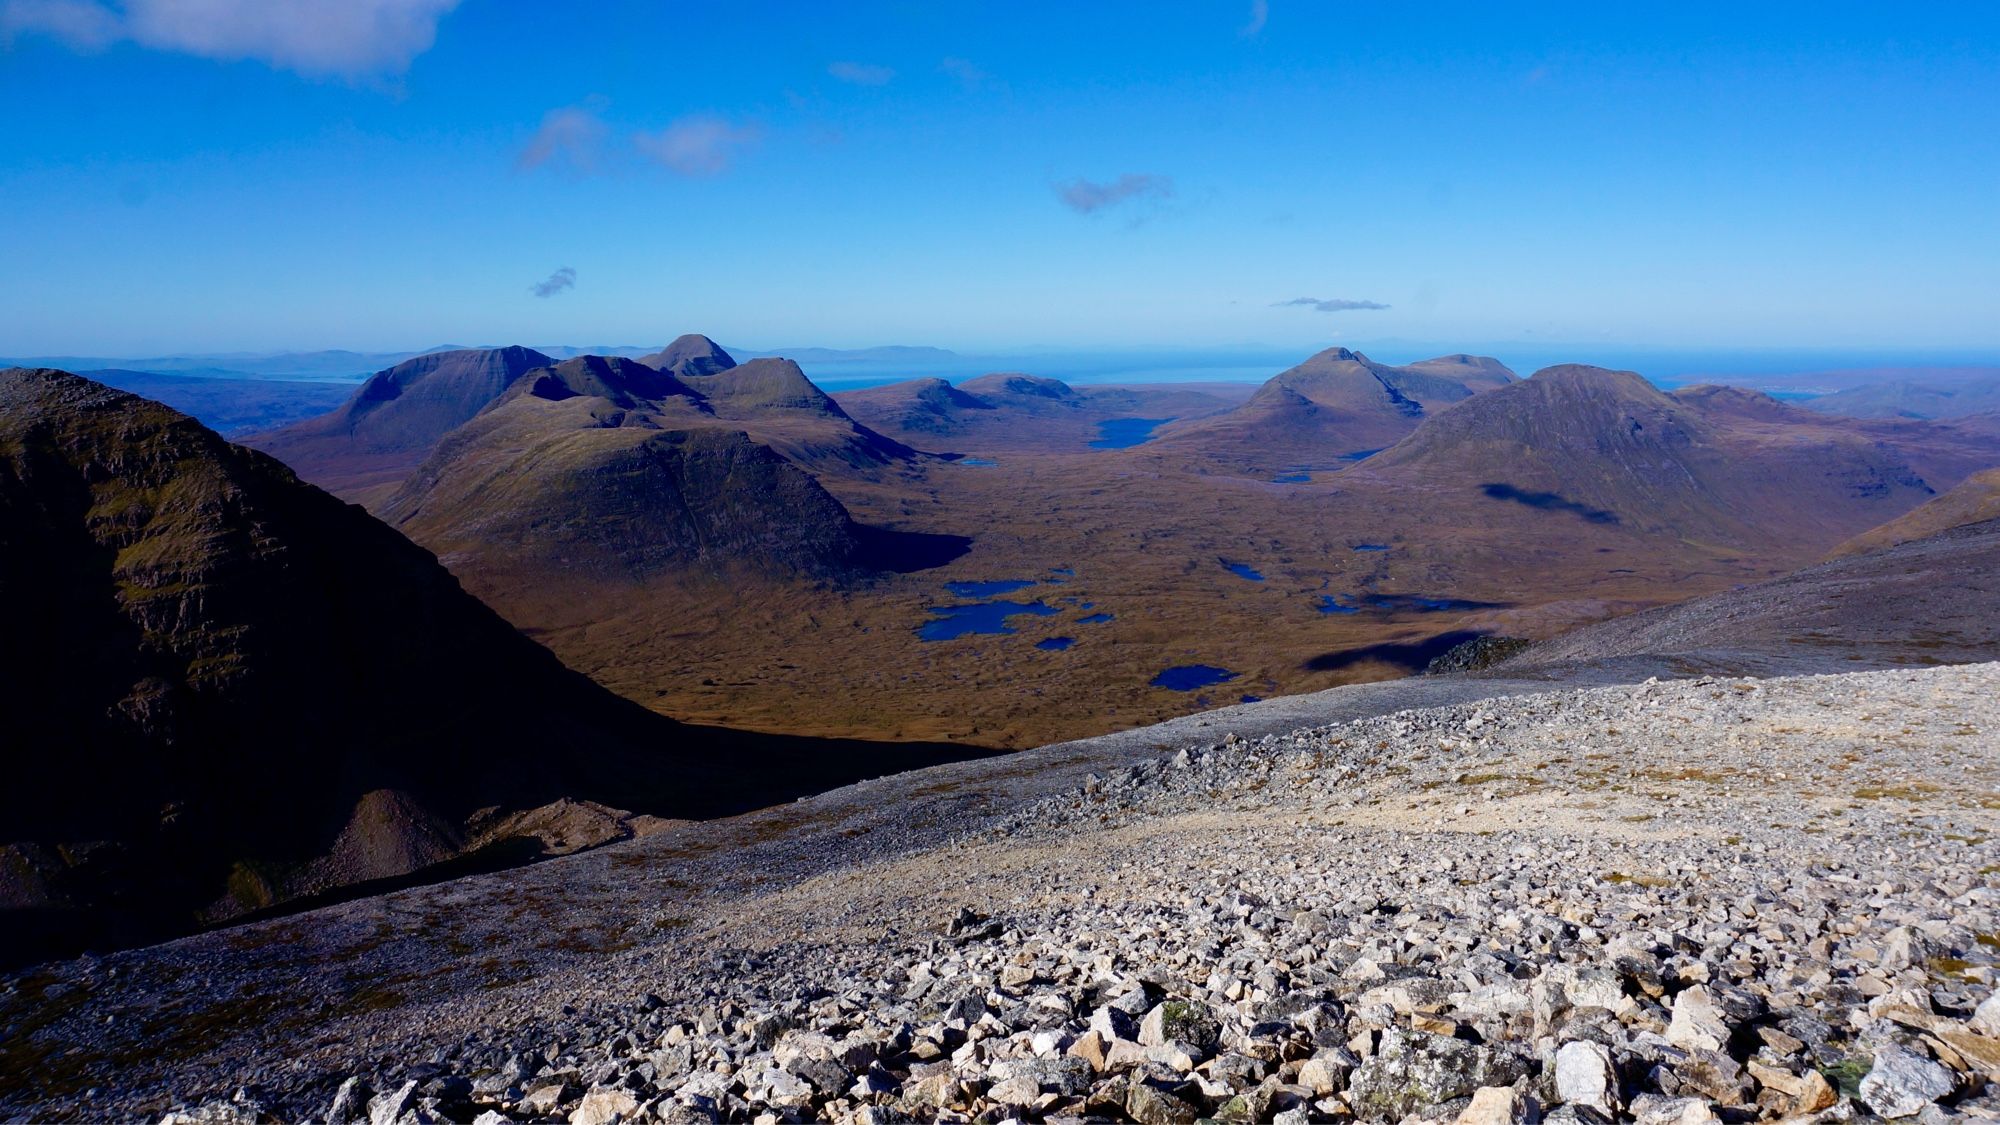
691 354
1333 408
381 433
1716 465
1934 600
231 690
231 405
1975 500
1907 399
610 468
1010 412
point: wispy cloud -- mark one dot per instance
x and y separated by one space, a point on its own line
1260 11
343 38
555 283
966 71
1334 305
698 145
573 135
1088 197
861 74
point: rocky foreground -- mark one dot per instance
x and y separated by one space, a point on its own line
1670 902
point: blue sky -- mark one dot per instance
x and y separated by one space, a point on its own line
204 176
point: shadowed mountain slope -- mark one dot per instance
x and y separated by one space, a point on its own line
238 690
1335 406
384 431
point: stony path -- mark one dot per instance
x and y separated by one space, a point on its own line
1681 901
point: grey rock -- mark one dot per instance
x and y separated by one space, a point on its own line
1902 1083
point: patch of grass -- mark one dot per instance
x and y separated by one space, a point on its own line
1910 791
1846 1075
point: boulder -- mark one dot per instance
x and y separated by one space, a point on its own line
1902 1082
1412 1071
1586 1076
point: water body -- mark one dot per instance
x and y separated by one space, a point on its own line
977 461
1094 619
1063 571
987 589
1055 644
979 617
1369 547
1291 478
1124 433
1192 677
1417 603
1253 699
1360 455
1329 603
1242 570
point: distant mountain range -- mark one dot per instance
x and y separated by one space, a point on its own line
338 364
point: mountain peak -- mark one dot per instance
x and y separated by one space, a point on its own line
691 354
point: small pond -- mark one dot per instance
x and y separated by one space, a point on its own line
1055 644
979 617
1124 433
1094 619
1192 677
1242 570
986 589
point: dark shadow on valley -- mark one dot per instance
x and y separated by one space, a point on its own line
904 552
1411 656
1547 502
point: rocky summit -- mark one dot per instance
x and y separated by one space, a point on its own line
1705 900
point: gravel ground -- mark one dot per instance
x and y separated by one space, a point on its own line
1707 899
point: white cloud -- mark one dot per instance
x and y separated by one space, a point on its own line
965 70
347 38
1087 196
1337 304
555 283
573 135
83 25
861 74
1260 11
697 145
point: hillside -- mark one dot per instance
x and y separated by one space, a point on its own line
610 469
1929 601
1332 409
1708 464
1909 399
1975 500
1406 909
373 440
240 690
1006 413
